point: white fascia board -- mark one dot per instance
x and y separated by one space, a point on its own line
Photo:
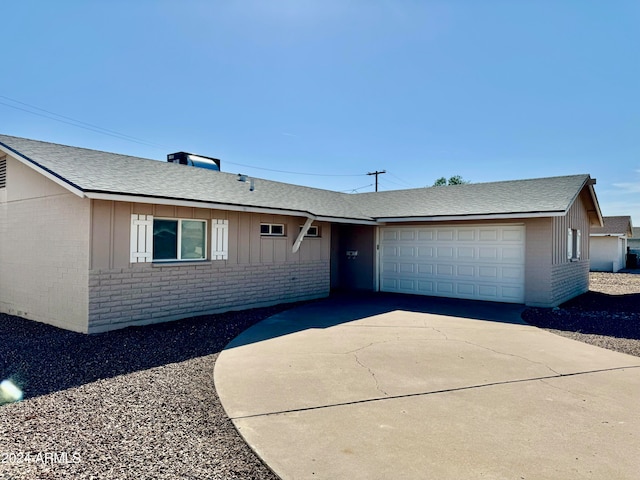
350 221
592 191
218 206
42 171
450 218
192 203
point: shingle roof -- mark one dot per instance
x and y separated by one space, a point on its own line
548 195
94 171
620 225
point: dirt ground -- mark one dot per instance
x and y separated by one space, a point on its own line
608 315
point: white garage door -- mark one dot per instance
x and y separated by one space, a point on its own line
477 262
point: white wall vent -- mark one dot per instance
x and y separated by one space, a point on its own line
3 172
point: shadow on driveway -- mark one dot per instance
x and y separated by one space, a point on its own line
347 307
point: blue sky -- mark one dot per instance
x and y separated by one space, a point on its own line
490 90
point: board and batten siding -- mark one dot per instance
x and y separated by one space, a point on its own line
258 271
570 278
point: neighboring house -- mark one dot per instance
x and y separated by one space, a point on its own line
93 241
608 246
633 243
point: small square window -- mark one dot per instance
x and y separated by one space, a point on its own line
313 231
272 229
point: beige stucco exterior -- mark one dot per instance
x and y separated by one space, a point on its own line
608 253
44 253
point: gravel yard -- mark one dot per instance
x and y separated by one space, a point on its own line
607 316
141 403
138 403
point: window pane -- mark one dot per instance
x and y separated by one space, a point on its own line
277 230
165 239
193 239
264 229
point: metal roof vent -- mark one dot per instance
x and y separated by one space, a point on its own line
184 158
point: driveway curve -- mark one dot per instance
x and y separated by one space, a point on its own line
389 386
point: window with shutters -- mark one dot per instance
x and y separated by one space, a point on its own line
169 239
179 239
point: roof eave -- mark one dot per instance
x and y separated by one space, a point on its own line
589 183
485 216
125 197
51 175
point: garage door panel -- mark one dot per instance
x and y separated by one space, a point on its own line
488 292
444 252
466 235
466 270
407 268
466 252
389 251
425 268
407 284
488 272
389 267
483 262
466 289
488 235
488 253
425 287
407 235
390 284
444 235
442 269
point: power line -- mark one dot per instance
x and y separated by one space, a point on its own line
376 173
403 181
355 190
297 173
112 133
78 123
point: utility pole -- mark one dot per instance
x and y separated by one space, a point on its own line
376 173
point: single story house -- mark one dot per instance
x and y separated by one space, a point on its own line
608 245
633 243
93 241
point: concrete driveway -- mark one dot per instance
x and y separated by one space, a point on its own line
385 386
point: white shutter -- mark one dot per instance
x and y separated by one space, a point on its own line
141 238
578 237
569 244
220 240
